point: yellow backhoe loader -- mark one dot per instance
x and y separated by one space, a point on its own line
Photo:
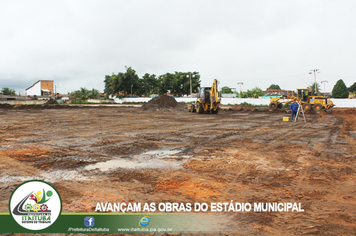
305 98
208 100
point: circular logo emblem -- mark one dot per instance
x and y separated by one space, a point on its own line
35 205
144 221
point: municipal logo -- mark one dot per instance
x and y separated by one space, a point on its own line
144 221
89 221
35 205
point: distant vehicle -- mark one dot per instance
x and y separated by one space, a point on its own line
208 100
305 99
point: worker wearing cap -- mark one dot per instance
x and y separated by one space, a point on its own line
294 108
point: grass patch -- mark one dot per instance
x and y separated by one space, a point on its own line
254 105
78 101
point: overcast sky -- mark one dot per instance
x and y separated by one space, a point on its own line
76 43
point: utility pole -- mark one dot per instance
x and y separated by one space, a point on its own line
315 71
324 81
240 83
190 82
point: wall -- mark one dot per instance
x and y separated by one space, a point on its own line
99 101
254 101
47 84
340 102
34 90
228 95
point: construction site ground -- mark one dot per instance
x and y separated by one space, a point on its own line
127 154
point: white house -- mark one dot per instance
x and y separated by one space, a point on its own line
41 88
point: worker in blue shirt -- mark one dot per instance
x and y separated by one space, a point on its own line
294 108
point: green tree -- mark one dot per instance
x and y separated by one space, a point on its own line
274 87
149 84
84 94
184 82
253 93
352 88
178 83
165 83
195 82
256 92
94 93
312 86
110 84
226 89
8 91
123 82
340 90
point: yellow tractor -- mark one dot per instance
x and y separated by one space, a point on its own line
208 100
304 98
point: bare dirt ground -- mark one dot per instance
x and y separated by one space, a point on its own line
115 154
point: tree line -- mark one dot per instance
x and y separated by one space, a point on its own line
120 85
340 90
8 91
129 83
178 83
84 94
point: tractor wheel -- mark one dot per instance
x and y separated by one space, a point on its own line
273 105
318 107
279 105
200 109
306 106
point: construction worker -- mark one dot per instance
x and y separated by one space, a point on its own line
294 108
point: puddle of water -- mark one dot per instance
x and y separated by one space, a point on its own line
334 151
352 134
298 142
52 177
160 153
11 179
200 135
123 163
240 114
161 158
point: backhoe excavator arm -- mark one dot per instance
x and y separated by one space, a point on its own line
214 92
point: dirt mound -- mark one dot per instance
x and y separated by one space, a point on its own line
5 105
278 110
342 111
160 102
311 112
51 102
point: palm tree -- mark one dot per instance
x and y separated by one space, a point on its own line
94 93
312 86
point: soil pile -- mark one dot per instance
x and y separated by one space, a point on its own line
341 111
5 105
161 102
51 102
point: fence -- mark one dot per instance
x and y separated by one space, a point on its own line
347 103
